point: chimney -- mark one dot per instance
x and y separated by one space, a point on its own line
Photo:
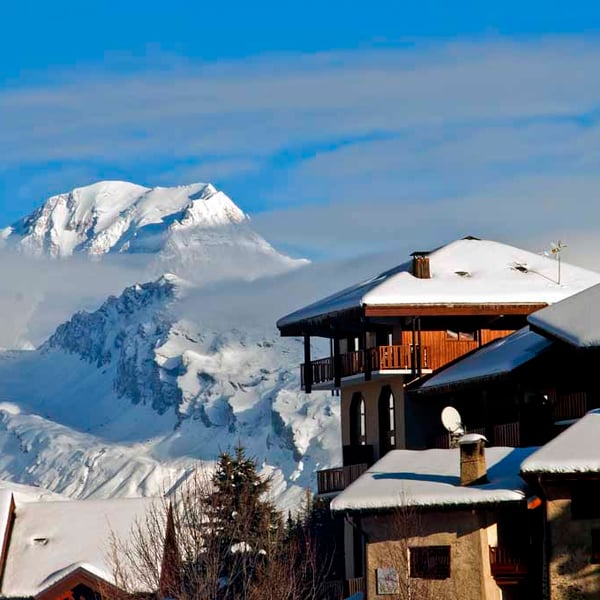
420 265
472 459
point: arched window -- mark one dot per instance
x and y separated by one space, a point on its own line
387 421
358 420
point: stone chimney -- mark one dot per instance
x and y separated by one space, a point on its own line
420 265
472 459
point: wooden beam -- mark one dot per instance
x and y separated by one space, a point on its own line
451 310
337 362
308 374
367 354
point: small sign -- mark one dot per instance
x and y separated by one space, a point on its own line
387 581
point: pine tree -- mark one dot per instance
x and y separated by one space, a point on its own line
241 517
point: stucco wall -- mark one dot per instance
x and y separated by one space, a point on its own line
371 391
468 533
571 576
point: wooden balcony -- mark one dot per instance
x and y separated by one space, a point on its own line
338 478
508 566
405 358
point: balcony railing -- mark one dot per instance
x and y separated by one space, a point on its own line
339 478
336 590
508 565
507 435
356 585
382 358
569 406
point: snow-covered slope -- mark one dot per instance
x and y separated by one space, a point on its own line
126 399
178 229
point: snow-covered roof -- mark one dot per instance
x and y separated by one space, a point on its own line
497 358
431 478
52 539
575 450
575 320
466 271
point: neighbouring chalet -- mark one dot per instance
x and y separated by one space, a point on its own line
526 388
59 550
476 523
447 523
566 474
409 322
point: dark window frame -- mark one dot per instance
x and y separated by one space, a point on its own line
585 500
430 562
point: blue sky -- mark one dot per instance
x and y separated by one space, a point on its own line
342 127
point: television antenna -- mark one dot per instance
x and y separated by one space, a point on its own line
452 421
555 249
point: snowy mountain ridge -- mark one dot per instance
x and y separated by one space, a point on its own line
147 391
178 228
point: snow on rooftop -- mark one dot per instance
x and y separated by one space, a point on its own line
575 450
466 271
497 358
575 320
431 478
51 539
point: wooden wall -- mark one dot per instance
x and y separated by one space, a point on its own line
441 350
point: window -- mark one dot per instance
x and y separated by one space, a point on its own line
585 500
387 421
358 420
460 336
595 558
430 562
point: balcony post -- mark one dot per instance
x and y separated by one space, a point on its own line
308 372
337 362
367 355
419 363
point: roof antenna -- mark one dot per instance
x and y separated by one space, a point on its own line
556 250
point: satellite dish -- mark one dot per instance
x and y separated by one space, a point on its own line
452 421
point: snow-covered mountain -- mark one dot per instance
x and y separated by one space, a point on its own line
126 399
178 229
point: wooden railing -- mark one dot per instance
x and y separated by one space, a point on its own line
381 358
507 564
339 478
355 585
507 435
569 406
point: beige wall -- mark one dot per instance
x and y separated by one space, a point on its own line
371 391
468 533
570 573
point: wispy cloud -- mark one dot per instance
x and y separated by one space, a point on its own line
460 134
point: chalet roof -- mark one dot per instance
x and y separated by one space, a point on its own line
575 320
51 539
498 358
574 451
431 478
467 271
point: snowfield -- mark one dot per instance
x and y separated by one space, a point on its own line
128 398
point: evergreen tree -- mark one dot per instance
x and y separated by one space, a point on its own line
241 517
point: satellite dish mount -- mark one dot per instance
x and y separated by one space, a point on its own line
452 421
